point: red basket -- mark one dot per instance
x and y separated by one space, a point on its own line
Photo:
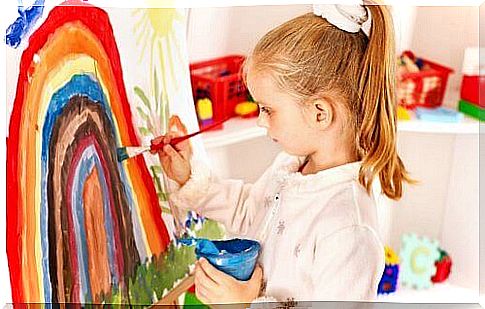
221 81
424 88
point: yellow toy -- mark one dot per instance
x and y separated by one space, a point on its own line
391 257
204 109
246 109
402 113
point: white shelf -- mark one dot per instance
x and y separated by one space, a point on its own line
234 131
466 126
239 129
438 293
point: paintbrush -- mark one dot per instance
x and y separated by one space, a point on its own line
124 153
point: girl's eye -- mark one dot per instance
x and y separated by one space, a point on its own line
265 110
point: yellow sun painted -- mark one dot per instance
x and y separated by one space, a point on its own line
157 31
161 20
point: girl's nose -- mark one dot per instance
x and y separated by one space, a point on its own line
262 121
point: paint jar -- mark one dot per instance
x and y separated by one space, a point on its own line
236 257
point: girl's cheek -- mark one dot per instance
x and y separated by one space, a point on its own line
263 120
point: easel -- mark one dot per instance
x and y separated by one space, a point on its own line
171 300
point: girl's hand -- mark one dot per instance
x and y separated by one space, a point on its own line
175 161
215 286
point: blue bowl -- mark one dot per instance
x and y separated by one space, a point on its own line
237 257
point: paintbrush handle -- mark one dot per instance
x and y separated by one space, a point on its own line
156 146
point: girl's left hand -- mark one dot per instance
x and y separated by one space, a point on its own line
215 286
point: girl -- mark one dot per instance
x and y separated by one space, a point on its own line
326 94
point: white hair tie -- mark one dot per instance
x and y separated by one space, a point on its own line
349 18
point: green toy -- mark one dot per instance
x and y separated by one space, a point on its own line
418 256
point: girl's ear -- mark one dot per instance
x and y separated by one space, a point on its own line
323 114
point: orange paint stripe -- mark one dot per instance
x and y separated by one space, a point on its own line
99 273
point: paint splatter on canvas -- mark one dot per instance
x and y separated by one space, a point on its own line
24 23
82 227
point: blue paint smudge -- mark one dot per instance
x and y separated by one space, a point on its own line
24 23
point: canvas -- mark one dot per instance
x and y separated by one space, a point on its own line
81 226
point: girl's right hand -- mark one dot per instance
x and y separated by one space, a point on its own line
175 160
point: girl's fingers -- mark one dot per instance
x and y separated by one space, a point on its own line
172 134
186 150
174 154
216 275
184 147
157 140
169 136
257 274
204 286
201 295
203 277
257 277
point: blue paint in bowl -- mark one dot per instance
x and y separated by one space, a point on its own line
236 257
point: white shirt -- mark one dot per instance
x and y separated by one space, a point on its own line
320 244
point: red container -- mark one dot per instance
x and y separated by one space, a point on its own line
221 81
424 88
471 87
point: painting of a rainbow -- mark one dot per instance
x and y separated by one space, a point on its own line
80 225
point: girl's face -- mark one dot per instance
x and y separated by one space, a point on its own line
287 122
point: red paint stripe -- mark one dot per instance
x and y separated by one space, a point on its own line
13 225
73 250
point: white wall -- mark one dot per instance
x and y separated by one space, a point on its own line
245 160
444 205
441 34
215 32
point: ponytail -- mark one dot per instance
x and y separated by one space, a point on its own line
376 120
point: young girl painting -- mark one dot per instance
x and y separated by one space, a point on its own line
326 94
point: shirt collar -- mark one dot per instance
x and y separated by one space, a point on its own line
288 175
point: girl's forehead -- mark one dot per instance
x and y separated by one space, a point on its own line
261 85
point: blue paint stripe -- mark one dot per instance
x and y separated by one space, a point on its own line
82 171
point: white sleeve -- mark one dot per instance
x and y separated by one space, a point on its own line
230 202
348 265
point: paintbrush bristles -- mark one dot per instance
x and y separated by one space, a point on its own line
130 152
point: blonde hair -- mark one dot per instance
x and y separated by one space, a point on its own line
310 58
